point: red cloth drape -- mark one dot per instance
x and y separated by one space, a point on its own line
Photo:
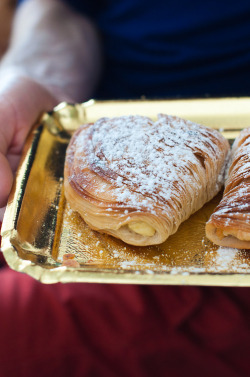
121 330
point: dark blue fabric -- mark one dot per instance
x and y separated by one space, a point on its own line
172 48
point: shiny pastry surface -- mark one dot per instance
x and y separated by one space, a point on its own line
229 225
137 179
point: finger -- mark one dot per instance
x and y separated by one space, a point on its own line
13 160
2 210
6 180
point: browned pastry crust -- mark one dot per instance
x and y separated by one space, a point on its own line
229 225
137 180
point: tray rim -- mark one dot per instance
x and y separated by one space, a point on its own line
63 274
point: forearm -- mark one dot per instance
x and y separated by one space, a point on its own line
54 56
55 47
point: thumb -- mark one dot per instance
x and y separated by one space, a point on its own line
6 179
2 210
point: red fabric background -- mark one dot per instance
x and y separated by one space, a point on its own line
121 330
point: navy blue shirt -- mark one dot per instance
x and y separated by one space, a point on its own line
184 48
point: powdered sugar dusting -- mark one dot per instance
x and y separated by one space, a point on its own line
139 156
228 260
234 208
224 257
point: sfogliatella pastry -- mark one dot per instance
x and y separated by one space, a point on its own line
229 225
137 180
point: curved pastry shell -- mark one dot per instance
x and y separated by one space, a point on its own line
192 158
229 225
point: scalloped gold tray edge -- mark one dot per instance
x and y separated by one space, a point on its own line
229 115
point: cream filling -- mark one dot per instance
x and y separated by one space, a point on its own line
142 228
243 236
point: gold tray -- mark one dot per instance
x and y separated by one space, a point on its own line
44 238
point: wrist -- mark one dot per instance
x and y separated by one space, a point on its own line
16 74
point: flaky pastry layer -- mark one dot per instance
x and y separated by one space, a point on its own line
137 180
229 225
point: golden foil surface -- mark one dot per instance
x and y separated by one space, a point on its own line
43 237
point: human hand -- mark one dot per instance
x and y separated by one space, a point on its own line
22 101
